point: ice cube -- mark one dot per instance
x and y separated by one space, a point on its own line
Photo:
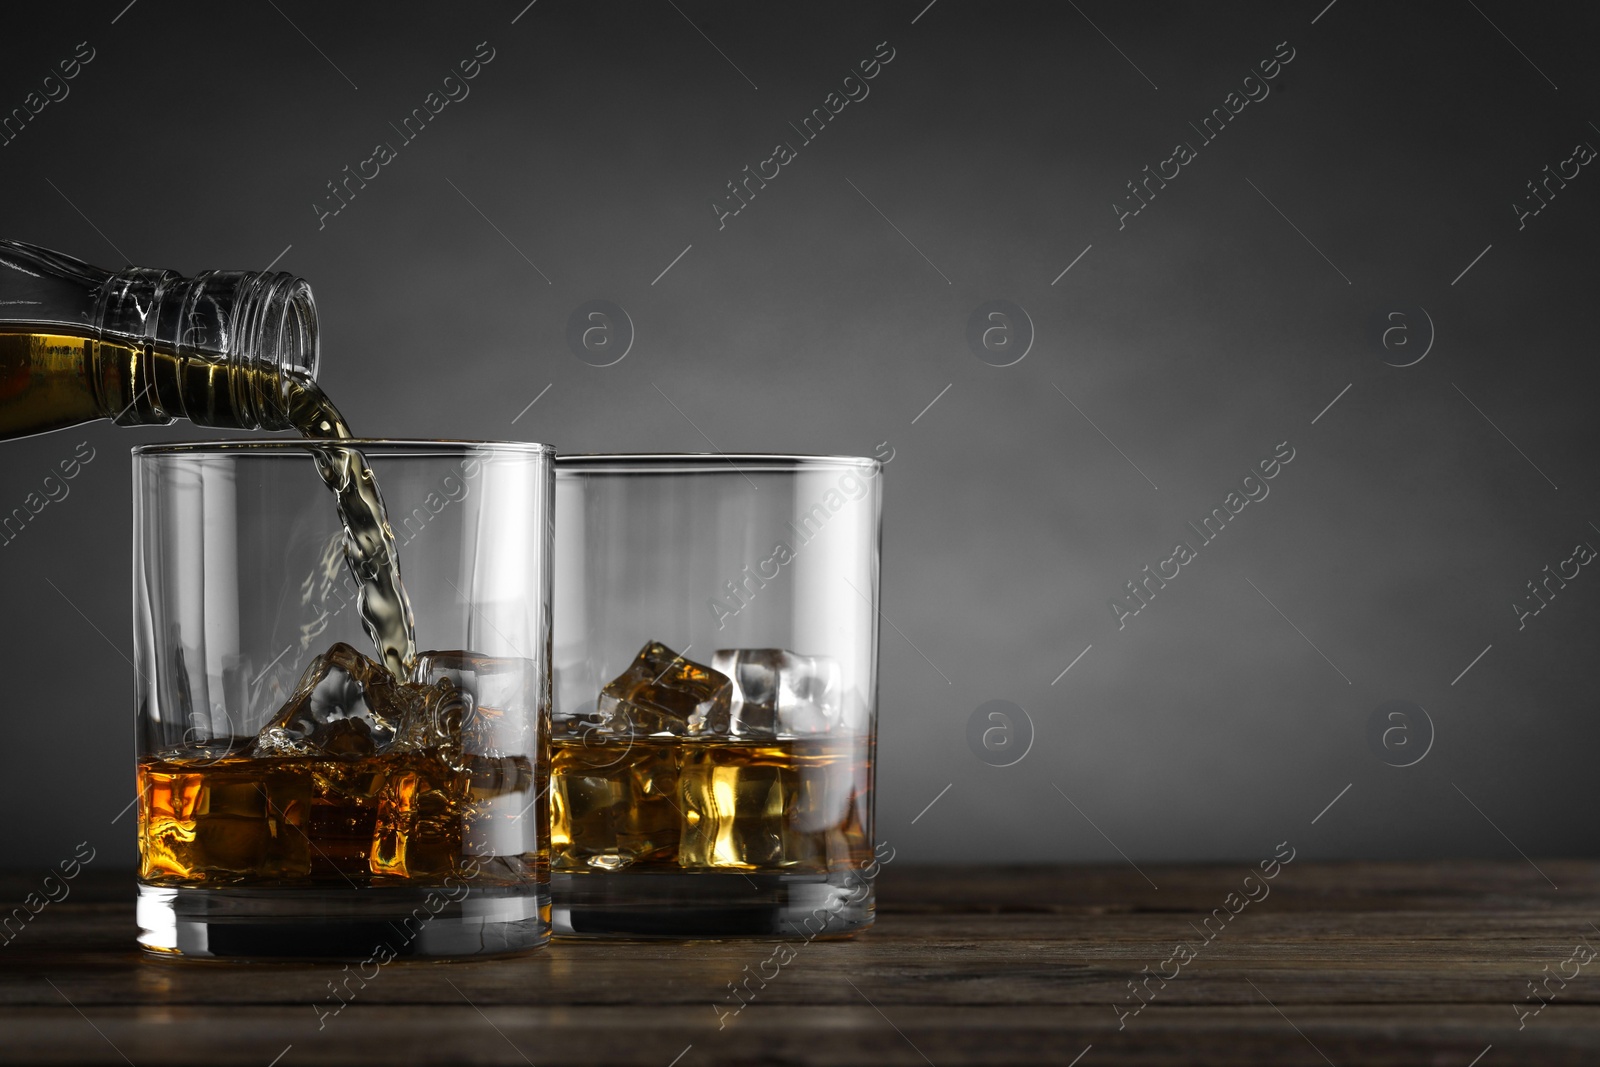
344 705
663 693
734 808
753 706
491 681
615 804
781 693
499 692
436 722
420 817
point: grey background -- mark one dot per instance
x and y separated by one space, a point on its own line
1197 338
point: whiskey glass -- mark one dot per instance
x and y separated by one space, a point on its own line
296 799
716 635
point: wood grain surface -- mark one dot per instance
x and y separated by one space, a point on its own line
1355 963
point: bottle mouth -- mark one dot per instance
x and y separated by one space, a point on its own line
274 327
277 318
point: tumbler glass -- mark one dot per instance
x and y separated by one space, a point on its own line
716 636
296 797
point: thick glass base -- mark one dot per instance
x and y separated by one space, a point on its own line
343 924
710 905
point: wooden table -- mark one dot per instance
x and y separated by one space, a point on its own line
1358 963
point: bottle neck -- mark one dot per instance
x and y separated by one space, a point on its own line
225 348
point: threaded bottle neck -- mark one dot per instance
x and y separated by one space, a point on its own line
236 342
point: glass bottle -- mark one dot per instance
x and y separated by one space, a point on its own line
142 346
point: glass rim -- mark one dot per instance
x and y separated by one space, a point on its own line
391 446
706 462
